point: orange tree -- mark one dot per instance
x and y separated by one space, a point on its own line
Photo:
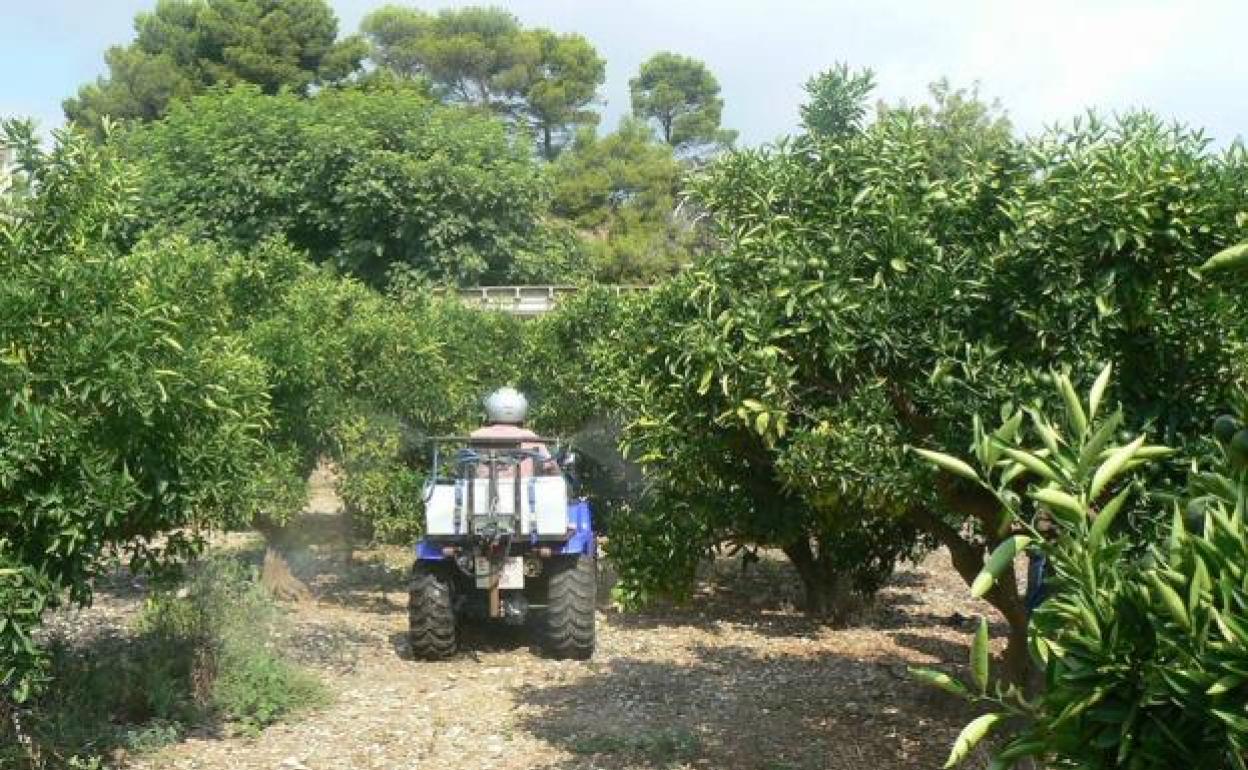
130 407
877 289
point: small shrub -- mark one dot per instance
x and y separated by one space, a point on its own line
256 688
203 652
225 621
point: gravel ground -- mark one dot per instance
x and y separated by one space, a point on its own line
735 679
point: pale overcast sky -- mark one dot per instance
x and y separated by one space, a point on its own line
1045 61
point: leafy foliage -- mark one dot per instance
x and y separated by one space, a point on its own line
837 101
620 191
968 126
1141 643
682 96
131 407
483 57
185 46
361 179
880 288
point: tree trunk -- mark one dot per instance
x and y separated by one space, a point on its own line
967 556
548 143
828 593
279 580
1017 659
968 560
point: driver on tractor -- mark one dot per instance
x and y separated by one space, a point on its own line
506 410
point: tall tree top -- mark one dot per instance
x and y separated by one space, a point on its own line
682 96
184 46
837 103
544 81
471 55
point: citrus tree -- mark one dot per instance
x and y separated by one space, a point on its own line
876 289
360 377
131 408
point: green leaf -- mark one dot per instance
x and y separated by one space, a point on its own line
1032 463
970 737
1002 557
1060 502
1092 448
1170 600
1232 258
1111 467
979 657
1225 684
1049 436
1098 390
1074 409
1105 518
948 463
704 386
1154 452
939 679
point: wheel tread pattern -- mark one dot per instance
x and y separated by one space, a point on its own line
569 623
431 614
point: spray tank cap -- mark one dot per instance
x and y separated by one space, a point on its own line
506 406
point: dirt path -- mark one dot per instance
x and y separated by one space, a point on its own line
736 680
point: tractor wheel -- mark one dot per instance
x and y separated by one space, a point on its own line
431 613
568 623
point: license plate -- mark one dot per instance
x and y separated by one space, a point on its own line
512 575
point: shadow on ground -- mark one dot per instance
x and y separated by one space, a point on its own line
766 598
757 704
737 708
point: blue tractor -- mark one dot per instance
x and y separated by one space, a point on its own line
506 539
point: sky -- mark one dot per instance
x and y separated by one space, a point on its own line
1045 61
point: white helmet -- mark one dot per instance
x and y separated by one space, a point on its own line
506 406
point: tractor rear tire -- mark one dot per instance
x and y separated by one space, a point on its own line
431 622
568 623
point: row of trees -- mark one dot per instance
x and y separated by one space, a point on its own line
880 282
543 82
158 387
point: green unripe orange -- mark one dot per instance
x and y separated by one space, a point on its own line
1224 428
1194 516
1239 448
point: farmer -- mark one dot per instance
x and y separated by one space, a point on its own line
506 410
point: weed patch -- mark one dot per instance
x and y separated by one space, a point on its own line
202 655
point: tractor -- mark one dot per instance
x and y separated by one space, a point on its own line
506 539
